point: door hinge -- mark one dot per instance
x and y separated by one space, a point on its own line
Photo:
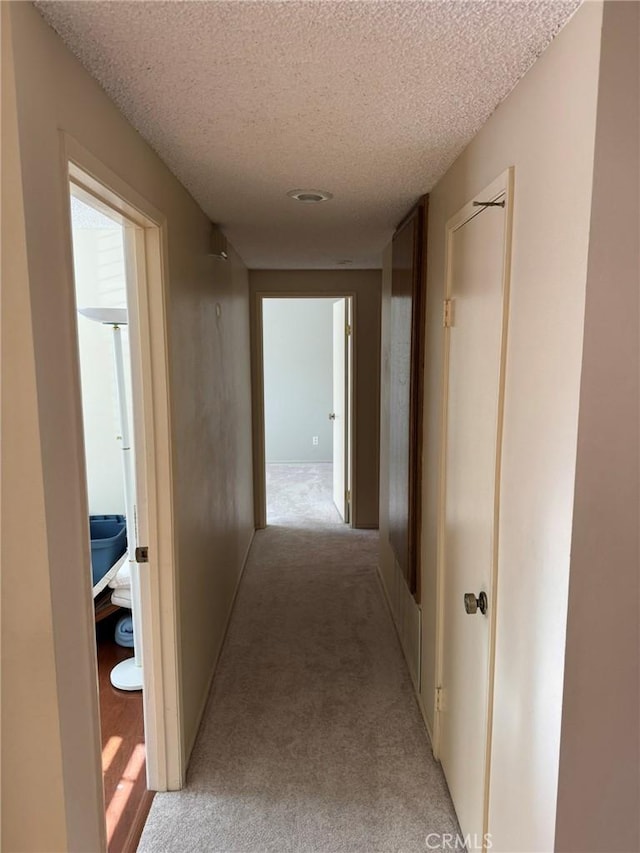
142 554
447 313
347 329
438 698
347 495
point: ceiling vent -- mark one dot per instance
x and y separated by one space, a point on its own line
310 196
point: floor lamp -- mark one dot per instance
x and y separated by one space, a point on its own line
127 675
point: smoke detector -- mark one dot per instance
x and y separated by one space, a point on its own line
310 196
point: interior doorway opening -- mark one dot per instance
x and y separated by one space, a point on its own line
307 368
117 262
102 282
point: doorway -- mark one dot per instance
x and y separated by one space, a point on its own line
113 496
306 372
117 254
475 316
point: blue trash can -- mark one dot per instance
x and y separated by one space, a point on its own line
108 543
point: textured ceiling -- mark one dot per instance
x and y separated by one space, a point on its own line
369 99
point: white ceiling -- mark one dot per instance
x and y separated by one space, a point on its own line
247 99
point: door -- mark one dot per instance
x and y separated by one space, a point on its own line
476 318
406 343
339 415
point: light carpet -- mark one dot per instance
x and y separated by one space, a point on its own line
300 493
312 741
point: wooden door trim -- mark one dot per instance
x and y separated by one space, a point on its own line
148 247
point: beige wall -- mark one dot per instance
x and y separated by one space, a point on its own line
50 760
212 440
599 793
365 284
546 130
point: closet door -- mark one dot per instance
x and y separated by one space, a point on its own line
405 410
475 335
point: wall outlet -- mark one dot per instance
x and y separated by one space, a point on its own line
315 440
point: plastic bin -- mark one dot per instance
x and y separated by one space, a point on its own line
108 543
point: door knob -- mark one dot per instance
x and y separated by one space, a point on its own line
332 416
473 604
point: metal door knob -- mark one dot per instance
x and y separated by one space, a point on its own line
473 604
332 416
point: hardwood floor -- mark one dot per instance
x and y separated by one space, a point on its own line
127 800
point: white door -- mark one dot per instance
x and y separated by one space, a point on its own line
339 415
469 532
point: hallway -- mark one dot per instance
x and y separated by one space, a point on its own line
312 739
308 149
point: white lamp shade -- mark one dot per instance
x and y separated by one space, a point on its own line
110 316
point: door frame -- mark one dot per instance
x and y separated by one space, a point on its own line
345 334
257 374
503 185
146 256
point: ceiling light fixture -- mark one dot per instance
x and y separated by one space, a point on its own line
310 196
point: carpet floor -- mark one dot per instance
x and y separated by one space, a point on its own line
301 493
312 741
